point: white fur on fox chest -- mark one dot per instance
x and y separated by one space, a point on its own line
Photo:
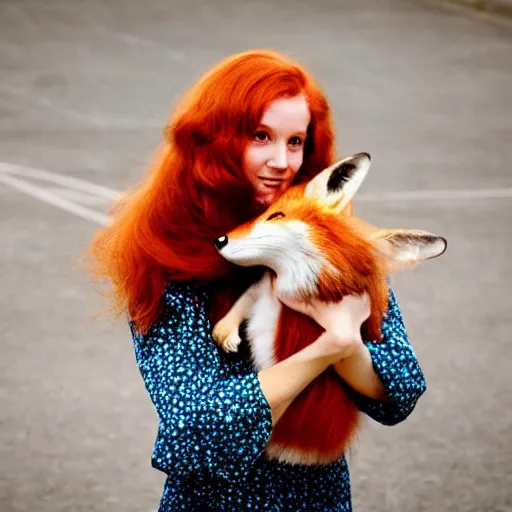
262 325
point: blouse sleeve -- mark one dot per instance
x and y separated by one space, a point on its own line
214 418
396 365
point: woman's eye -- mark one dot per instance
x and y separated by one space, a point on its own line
275 215
261 136
295 141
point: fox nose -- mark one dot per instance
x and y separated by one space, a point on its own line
221 242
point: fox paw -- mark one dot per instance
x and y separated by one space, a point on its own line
227 338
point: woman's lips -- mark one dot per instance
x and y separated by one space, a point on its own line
272 182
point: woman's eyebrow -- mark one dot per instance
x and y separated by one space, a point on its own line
299 132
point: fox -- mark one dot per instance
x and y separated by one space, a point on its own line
312 247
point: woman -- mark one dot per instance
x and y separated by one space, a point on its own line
251 127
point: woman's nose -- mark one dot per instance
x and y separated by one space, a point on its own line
279 159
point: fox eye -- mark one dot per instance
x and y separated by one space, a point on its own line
275 215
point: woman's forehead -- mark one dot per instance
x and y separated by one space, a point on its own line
287 114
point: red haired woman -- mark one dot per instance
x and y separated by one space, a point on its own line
252 126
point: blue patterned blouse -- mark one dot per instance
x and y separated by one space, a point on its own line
215 421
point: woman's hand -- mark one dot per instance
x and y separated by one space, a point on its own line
341 320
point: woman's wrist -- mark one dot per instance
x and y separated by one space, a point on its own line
340 345
358 372
357 350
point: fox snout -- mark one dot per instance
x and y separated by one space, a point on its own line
221 242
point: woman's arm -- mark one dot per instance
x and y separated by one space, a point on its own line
358 372
383 378
341 339
282 382
214 421
392 367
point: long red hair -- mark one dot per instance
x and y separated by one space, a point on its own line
195 191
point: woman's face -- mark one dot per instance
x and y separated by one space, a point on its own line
275 152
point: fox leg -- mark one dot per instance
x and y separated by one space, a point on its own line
225 332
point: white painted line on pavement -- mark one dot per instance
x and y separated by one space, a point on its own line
407 195
434 195
50 198
78 196
59 179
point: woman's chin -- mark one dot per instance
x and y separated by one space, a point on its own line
264 201
267 197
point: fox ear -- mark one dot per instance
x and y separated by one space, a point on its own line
335 186
403 247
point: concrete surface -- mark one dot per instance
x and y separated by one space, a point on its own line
85 87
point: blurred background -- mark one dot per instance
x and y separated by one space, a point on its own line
85 88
